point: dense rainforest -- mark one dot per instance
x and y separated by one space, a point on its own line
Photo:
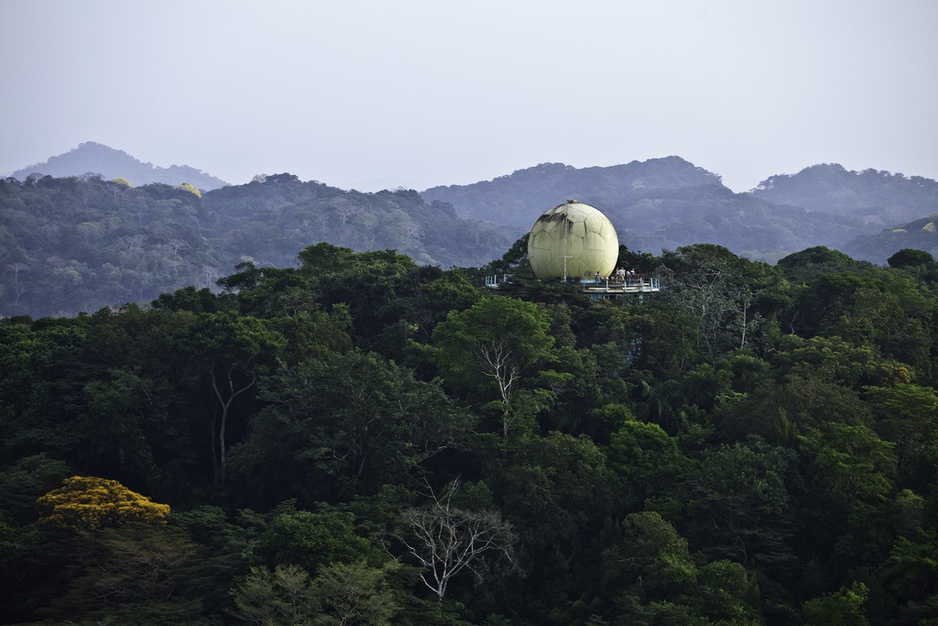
76 244
362 439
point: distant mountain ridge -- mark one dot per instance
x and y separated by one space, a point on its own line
76 244
875 197
95 158
920 234
535 189
669 202
657 204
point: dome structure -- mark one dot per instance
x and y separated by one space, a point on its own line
573 240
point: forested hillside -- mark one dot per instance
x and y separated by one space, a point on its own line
920 234
875 197
516 199
70 245
82 242
661 204
365 439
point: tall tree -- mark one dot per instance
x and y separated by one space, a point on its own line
739 505
558 491
282 597
719 289
130 575
492 347
345 424
231 351
647 464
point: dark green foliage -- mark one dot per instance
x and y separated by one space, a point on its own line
842 608
130 574
648 465
908 258
807 264
753 445
341 425
312 540
653 578
189 299
739 504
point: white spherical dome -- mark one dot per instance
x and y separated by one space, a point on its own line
573 240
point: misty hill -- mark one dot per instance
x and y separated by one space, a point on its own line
654 205
920 234
667 203
876 198
78 244
519 198
96 158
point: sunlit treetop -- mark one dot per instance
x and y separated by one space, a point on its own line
190 188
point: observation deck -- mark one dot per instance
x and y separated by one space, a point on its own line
611 287
597 288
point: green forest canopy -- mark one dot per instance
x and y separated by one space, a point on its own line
755 444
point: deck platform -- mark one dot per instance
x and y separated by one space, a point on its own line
602 288
597 288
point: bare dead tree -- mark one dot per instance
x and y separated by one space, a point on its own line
445 539
16 268
18 289
498 364
226 390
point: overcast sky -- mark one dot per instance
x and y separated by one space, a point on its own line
417 93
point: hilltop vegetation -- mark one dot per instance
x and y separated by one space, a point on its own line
519 198
79 242
662 204
874 197
755 444
920 234
76 244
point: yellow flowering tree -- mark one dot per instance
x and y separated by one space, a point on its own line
190 188
89 502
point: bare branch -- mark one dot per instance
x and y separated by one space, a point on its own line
446 540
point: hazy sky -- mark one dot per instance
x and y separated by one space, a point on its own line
417 93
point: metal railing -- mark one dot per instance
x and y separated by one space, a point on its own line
627 285
608 285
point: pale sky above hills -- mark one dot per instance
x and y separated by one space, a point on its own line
375 93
